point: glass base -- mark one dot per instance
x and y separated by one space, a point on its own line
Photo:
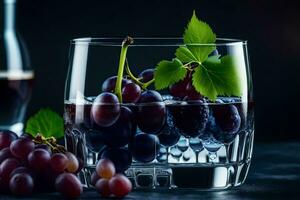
17 128
227 167
203 177
200 177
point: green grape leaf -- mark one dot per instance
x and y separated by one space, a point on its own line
47 123
168 73
217 77
185 55
198 32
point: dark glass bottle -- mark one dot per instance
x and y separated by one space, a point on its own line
16 76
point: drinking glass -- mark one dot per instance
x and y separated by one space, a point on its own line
171 143
16 75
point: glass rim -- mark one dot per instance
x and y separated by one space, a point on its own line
152 41
163 102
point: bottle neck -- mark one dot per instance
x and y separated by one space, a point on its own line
9 15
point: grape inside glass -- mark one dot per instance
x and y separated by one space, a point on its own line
170 138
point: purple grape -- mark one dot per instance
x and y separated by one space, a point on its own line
39 159
151 114
224 122
241 107
102 187
121 131
184 88
21 184
43 146
106 109
150 96
119 186
21 147
227 117
59 162
94 178
68 185
192 95
6 138
6 167
19 170
4 154
131 93
110 83
169 135
147 75
179 89
144 147
121 158
190 118
73 162
105 168
26 135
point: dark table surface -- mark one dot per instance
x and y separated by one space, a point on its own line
274 174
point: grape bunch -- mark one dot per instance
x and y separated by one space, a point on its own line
109 183
27 166
106 108
116 123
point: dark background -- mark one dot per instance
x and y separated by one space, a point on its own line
271 28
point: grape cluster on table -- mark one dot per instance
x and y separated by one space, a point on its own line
108 182
27 167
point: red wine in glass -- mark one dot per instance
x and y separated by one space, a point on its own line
15 95
16 76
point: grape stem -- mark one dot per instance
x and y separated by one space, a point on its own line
118 90
131 76
51 142
149 83
189 66
137 80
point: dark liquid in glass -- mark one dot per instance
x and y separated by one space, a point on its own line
185 119
15 95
